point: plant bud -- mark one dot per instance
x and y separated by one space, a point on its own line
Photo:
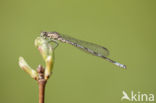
23 64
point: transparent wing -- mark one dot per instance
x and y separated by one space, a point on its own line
87 46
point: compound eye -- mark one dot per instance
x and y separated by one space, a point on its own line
43 34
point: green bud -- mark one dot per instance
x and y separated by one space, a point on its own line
23 64
49 66
43 46
46 51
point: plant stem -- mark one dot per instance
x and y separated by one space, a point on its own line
41 83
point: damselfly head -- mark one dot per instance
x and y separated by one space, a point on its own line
43 34
52 35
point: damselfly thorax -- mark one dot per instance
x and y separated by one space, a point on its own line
91 48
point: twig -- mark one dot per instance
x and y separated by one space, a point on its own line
41 83
42 74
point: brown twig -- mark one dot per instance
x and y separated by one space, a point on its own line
41 83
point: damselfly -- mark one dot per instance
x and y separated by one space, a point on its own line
91 48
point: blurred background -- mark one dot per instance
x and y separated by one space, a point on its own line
126 27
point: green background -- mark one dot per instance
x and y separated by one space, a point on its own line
126 27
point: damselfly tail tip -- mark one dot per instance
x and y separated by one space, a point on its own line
120 65
124 66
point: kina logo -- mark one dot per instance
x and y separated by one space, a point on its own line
138 96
